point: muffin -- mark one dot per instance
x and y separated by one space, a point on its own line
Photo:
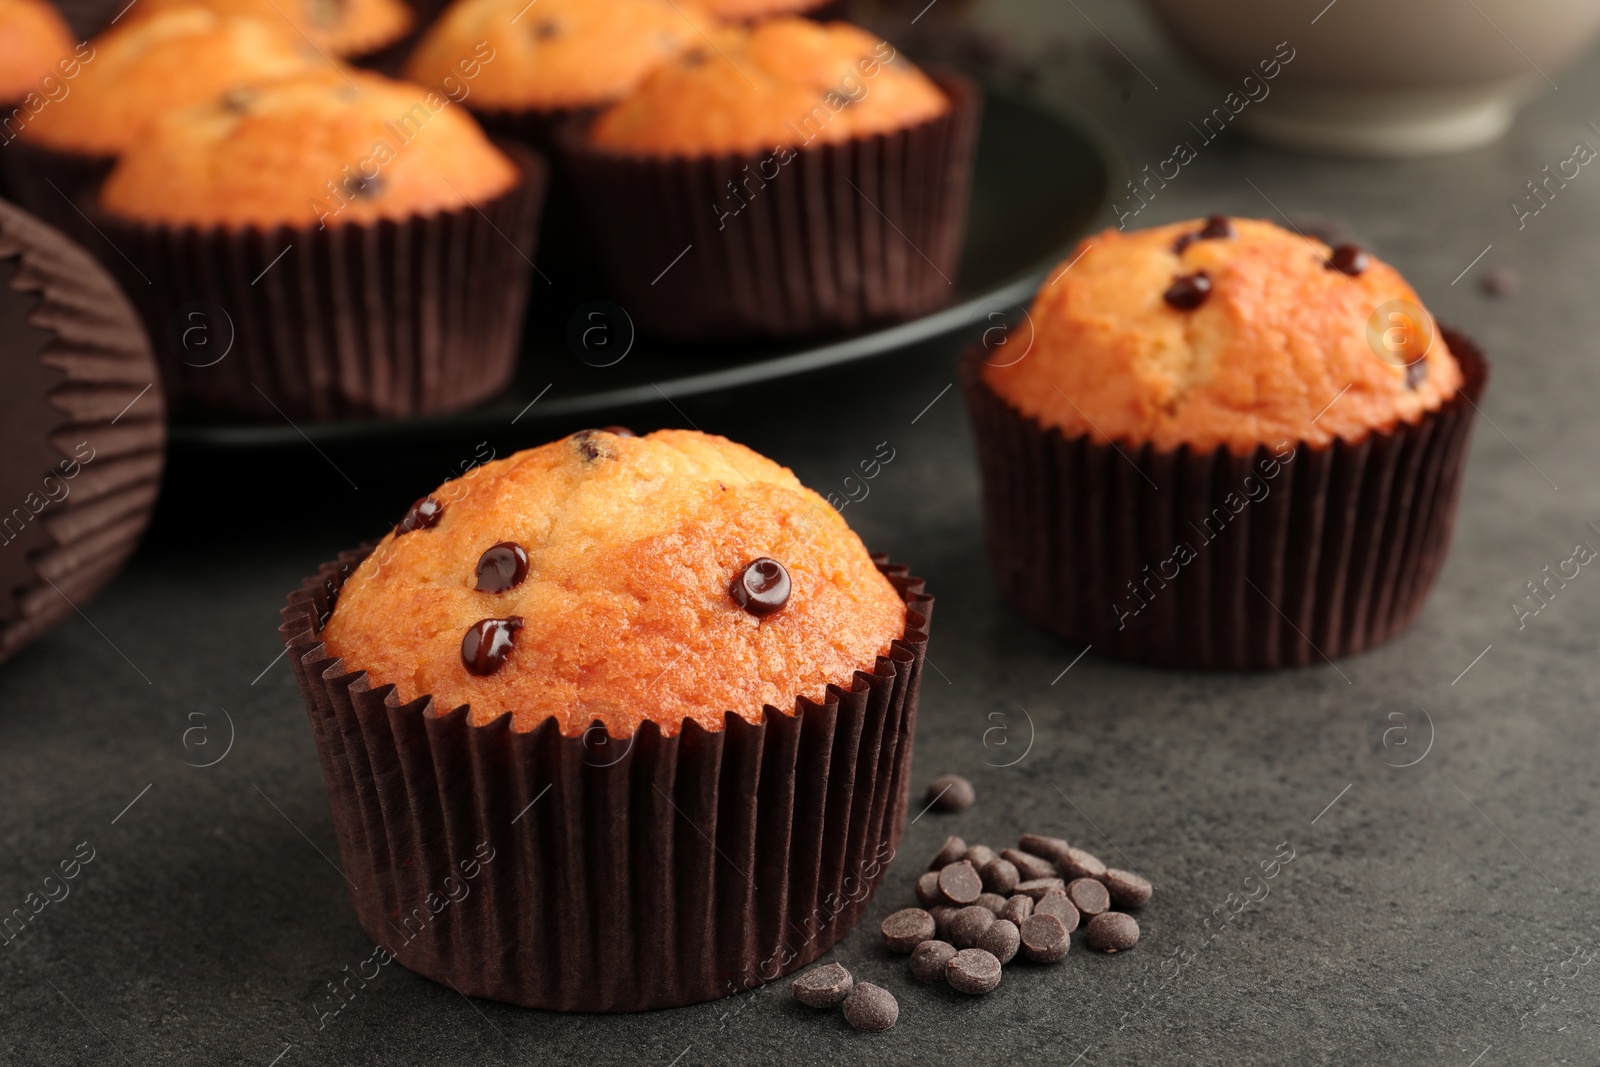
692 648
755 10
83 429
35 44
336 27
694 184
366 244
527 71
130 75
1220 444
551 60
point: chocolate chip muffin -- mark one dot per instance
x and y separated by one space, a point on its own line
765 124
691 648
1220 443
701 557
34 44
367 245
557 57
337 27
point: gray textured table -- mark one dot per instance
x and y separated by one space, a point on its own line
1441 913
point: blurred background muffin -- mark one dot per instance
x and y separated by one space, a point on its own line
1221 444
367 244
351 28
34 39
754 10
140 70
719 151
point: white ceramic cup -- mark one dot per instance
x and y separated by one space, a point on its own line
1386 77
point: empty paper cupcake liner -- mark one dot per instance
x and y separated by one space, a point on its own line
418 316
602 874
1290 555
83 429
827 238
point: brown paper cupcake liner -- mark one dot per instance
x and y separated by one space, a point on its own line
840 237
394 318
609 874
81 419
57 187
1337 554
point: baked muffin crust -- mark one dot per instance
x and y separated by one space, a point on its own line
326 150
33 39
558 53
338 27
787 81
147 67
1277 348
626 608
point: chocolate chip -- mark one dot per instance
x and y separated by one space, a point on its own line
1038 887
1028 865
1077 863
1350 260
1058 904
968 924
1500 281
546 29
993 901
1051 848
1416 374
1044 938
423 515
1188 291
979 856
1217 227
942 914
590 447
487 644
871 1008
1183 242
501 567
959 883
1128 890
367 188
1088 895
949 792
973 970
928 889
908 928
238 101
1112 932
1019 907
761 587
823 987
618 431
1000 875
953 850
929 960
1001 940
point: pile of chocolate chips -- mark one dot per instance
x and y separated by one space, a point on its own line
980 908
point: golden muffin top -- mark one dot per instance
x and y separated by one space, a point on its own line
787 81
1230 332
325 150
621 579
337 27
147 67
33 40
556 53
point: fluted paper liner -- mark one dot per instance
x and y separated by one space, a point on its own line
626 874
844 236
82 421
1338 556
394 318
